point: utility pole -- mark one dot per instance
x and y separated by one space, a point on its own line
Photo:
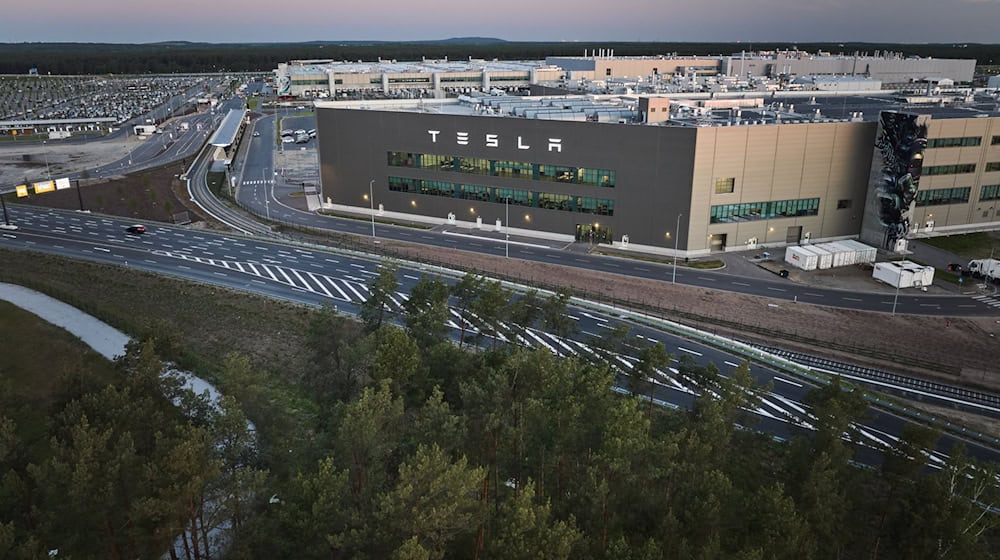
6 218
506 221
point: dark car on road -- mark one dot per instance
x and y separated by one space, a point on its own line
136 229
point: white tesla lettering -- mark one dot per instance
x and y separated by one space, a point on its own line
493 140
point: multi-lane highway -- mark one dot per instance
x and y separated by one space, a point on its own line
315 277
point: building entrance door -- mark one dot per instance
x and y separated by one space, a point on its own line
717 242
793 235
593 233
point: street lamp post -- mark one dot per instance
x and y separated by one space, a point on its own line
896 299
371 203
506 221
677 236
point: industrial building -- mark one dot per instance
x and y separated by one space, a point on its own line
326 78
729 173
329 78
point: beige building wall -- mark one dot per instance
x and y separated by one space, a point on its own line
829 161
628 67
976 210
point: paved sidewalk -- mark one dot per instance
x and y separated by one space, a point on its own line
104 339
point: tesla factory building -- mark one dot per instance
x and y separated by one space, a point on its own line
729 173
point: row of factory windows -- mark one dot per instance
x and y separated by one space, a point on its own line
749 211
959 168
501 168
956 195
519 197
961 141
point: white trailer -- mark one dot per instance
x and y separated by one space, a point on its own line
825 257
904 274
144 129
801 257
865 253
987 268
839 254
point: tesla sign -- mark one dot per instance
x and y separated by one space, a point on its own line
493 141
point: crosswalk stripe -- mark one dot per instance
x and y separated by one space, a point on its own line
333 284
356 292
307 285
269 273
287 277
320 284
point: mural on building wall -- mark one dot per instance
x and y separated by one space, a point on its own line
895 178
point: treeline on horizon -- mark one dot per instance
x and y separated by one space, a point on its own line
185 57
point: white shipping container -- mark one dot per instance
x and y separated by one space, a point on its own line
838 253
865 253
903 274
850 254
825 257
801 257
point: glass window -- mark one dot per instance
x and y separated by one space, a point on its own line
552 201
993 166
513 169
725 185
844 203
989 192
476 166
934 197
749 211
474 192
437 162
596 177
954 142
403 159
512 196
437 188
995 141
600 206
559 173
949 169
403 184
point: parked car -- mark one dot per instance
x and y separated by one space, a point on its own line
136 229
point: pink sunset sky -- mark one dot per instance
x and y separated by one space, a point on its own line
228 21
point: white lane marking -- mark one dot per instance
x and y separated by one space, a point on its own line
301 279
333 284
776 378
810 294
102 249
707 278
320 284
682 349
219 273
287 277
411 277
851 299
269 273
777 289
184 267
601 319
334 261
731 364
356 265
740 284
356 292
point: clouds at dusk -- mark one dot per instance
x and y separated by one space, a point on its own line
128 21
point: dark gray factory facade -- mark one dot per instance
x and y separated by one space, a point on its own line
563 177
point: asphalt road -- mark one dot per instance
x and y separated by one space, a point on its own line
317 277
256 191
